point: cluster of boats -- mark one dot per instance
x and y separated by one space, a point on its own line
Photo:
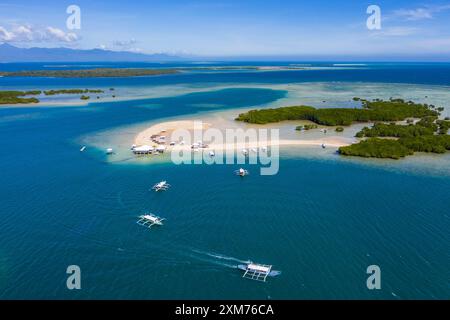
149 219
253 271
146 149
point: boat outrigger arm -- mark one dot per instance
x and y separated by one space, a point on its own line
148 220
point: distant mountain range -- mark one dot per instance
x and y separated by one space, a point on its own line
9 53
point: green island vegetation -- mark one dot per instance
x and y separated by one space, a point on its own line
428 135
306 127
377 148
385 139
17 97
377 110
90 73
71 91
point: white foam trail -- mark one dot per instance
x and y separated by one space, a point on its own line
222 257
219 257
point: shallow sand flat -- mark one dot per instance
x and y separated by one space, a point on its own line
328 141
168 128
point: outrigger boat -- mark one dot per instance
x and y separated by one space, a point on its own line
258 272
242 172
148 220
83 148
161 186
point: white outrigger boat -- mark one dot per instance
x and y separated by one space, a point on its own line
148 220
241 172
83 148
161 186
258 272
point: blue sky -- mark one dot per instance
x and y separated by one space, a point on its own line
233 28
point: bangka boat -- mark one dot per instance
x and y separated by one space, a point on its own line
161 186
145 149
83 148
258 272
161 148
148 220
109 151
241 172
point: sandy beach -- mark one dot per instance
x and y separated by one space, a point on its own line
168 128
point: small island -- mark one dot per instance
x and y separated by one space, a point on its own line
90 73
385 139
71 91
18 97
21 97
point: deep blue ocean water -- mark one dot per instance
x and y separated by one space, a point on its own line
321 222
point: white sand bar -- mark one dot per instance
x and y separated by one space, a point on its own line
167 128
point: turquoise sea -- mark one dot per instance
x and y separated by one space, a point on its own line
320 221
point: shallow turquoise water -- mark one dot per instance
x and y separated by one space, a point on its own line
321 222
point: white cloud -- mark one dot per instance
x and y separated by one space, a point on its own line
415 14
136 50
5 35
121 45
422 13
26 33
124 43
60 35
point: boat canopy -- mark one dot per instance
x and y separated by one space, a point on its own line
143 148
258 267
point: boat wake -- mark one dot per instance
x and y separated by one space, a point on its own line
205 260
220 257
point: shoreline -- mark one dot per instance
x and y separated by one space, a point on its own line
166 129
295 92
